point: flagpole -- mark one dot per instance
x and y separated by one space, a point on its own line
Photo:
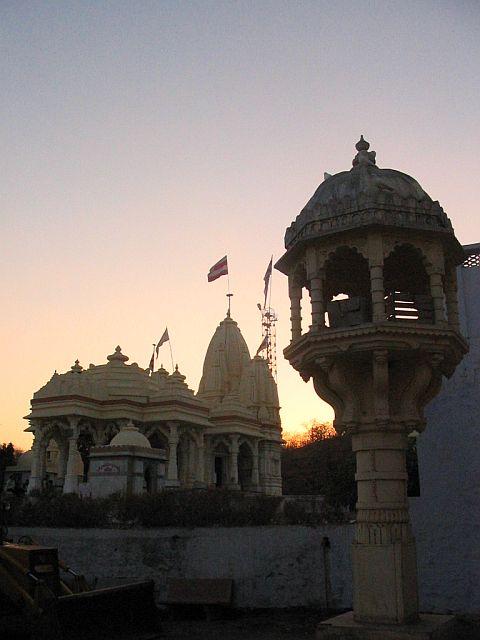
171 352
229 294
153 359
271 282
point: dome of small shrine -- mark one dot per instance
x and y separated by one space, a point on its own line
130 436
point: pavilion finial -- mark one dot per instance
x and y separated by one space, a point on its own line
77 367
362 144
364 156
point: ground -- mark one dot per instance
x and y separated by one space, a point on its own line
273 624
266 624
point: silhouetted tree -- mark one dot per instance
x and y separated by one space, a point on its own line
8 457
319 461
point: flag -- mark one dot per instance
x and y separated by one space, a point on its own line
263 345
165 337
266 279
220 268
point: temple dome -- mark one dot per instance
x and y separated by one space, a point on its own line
260 392
365 178
130 436
225 363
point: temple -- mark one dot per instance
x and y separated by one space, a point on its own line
115 426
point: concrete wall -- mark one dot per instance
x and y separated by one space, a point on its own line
271 566
446 516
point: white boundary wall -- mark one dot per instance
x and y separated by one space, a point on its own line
278 566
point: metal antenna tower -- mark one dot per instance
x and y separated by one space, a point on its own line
269 335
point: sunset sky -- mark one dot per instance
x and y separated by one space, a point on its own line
141 141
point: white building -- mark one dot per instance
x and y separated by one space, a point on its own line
226 435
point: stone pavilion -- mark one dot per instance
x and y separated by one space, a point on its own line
378 258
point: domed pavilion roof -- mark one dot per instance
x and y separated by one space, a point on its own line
226 361
366 195
365 178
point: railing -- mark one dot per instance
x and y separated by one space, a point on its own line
406 306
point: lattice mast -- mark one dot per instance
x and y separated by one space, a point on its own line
269 333
269 319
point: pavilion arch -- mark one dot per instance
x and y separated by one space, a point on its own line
347 272
347 276
406 278
406 269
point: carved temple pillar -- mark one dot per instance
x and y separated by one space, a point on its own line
200 475
172 467
377 287
71 479
255 469
295 293
318 303
62 463
384 558
233 463
35 480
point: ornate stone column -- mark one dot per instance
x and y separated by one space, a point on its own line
71 479
200 476
35 480
375 261
233 463
255 470
295 293
42 465
317 300
62 463
172 468
384 560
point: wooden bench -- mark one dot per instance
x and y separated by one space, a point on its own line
208 593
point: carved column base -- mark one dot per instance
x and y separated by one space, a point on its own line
71 484
34 484
428 627
385 582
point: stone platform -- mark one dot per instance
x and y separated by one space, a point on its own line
429 627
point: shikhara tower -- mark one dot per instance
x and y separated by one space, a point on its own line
378 257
